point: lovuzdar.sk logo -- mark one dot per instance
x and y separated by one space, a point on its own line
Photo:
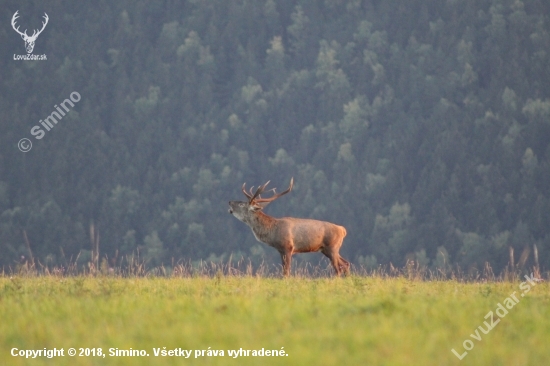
29 40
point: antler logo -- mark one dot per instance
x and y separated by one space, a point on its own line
29 40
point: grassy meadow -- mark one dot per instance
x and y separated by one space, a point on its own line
358 320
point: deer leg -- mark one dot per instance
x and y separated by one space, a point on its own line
336 264
286 258
344 264
334 259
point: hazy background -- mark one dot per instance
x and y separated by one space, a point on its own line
421 126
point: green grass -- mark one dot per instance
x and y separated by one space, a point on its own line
325 321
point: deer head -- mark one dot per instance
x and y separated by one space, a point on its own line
255 203
29 40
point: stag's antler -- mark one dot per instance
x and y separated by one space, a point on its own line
253 196
248 195
275 196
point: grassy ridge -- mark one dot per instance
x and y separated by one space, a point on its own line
328 321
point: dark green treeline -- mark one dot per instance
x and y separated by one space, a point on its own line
422 126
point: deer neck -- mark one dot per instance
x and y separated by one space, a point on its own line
262 225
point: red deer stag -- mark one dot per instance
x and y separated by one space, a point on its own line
290 235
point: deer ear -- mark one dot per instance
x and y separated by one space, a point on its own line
263 204
256 207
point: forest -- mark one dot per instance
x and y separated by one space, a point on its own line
422 126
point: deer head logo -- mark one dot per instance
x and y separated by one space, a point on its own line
29 40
